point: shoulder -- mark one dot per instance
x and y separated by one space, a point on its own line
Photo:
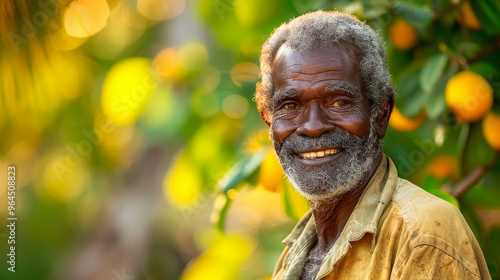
424 211
428 219
434 226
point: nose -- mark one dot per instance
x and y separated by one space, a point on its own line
313 122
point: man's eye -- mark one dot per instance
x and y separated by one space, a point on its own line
291 106
338 103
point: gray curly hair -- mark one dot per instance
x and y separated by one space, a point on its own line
319 30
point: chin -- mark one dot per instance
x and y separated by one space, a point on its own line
330 181
329 177
319 190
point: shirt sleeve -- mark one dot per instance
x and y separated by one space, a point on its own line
429 262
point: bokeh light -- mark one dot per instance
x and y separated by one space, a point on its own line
244 73
138 147
193 56
167 65
158 10
83 18
127 89
182 184
66 176
235 106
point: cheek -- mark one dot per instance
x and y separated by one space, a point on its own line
357 122
280 131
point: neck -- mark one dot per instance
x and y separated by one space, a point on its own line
331 216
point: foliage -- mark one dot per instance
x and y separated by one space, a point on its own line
428 45
128 127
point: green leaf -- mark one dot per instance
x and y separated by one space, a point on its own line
488 11
442 8
462 137
286 201
294 204
469 49
410 98
398 60
436 103
494 241
431 183
407 85
492 251
240 171
477 151
492 178
419 16
485 69
484 197
491 73
432 72
440 5
222 212
412 105
302 6
445 196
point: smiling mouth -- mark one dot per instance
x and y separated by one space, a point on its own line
319 154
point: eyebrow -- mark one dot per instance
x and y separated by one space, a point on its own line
351 90
283 94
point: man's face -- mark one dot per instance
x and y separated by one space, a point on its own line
321 127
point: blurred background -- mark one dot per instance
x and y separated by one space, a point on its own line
139 153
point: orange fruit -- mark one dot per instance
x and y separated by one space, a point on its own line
400 122
271 174
466 16
443 166
403 35
469 96
491 130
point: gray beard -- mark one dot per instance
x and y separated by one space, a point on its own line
324 183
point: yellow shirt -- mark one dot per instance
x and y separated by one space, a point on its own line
396 231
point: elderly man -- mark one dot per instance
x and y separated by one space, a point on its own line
327 95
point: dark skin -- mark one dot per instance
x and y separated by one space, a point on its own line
316 92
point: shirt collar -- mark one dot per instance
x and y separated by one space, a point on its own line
364 218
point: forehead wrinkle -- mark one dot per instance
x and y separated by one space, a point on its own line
291 65
311 74
321 63
307 79
306 67
326 80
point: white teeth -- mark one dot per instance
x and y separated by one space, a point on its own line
313 155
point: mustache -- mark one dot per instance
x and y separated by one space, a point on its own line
338 138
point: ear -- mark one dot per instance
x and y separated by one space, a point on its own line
264 118
382 119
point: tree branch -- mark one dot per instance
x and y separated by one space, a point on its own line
490 49
470 180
